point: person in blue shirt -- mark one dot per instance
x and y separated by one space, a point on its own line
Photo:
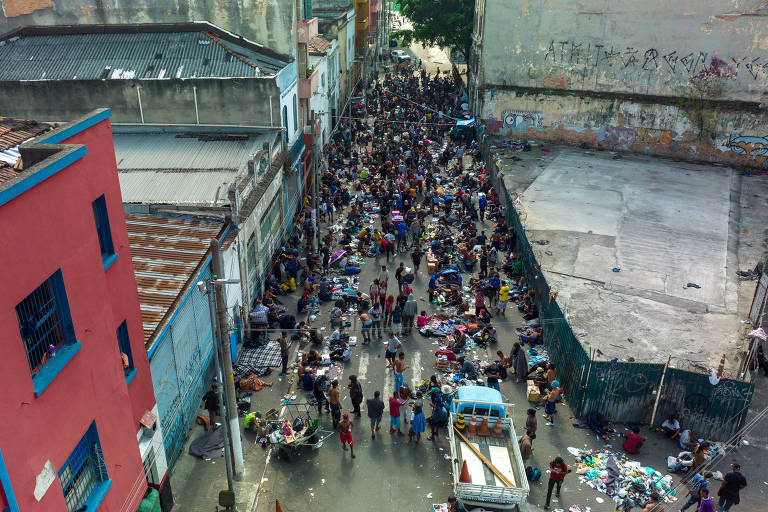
402 229
495 283
482 204
432 287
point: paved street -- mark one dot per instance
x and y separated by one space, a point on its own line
388 474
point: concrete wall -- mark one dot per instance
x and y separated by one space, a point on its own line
231 101
627 123
685 78
271 23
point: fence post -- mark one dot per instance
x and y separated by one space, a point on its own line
589 371
658 391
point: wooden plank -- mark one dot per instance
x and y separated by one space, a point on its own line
484 459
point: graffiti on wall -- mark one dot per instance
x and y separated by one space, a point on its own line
521 119
603 57
756 147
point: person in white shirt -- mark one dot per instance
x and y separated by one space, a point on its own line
671 427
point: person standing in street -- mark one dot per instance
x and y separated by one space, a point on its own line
729 490
531 424
399 368
344 427
558 470
409 313
391 352
698 483
705 504
211 402
551 408
394 413
383 281
526 447
375 410
319 394
285 345
333 399
355 394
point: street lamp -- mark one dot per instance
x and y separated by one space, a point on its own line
233 449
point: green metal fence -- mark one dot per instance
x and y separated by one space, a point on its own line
631 392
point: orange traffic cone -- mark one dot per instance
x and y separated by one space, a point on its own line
497 432
472 427
483 429
278 508
464 477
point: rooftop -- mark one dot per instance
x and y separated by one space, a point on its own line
166 254
96 52
13 133
620 240
318 45
182 168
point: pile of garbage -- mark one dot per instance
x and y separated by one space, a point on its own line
628 482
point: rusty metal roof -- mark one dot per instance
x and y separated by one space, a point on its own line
166 254
318 45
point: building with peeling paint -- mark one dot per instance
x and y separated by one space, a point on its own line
685 79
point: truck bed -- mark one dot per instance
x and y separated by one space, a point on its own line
498 452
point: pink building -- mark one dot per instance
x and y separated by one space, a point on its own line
373 16
78 395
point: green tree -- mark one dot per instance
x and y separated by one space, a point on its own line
443 23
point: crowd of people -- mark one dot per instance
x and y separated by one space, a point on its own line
402 157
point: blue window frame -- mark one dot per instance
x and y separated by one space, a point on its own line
124 344
101 217
295 113
83 476
285 122
46 329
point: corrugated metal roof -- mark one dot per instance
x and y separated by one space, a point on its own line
165 254
152 55
185 151
166 168
179 188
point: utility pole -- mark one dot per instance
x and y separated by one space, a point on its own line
226 361
211 292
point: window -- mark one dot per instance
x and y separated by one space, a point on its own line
46 330
322 79
285 122
124 344
83 476
108 255
251 257
295 113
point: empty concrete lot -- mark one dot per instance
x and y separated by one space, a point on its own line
620 239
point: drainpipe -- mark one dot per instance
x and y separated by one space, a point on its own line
141 110
197 114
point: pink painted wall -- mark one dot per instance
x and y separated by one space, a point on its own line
48 227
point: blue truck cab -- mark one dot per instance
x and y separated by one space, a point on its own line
478 399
